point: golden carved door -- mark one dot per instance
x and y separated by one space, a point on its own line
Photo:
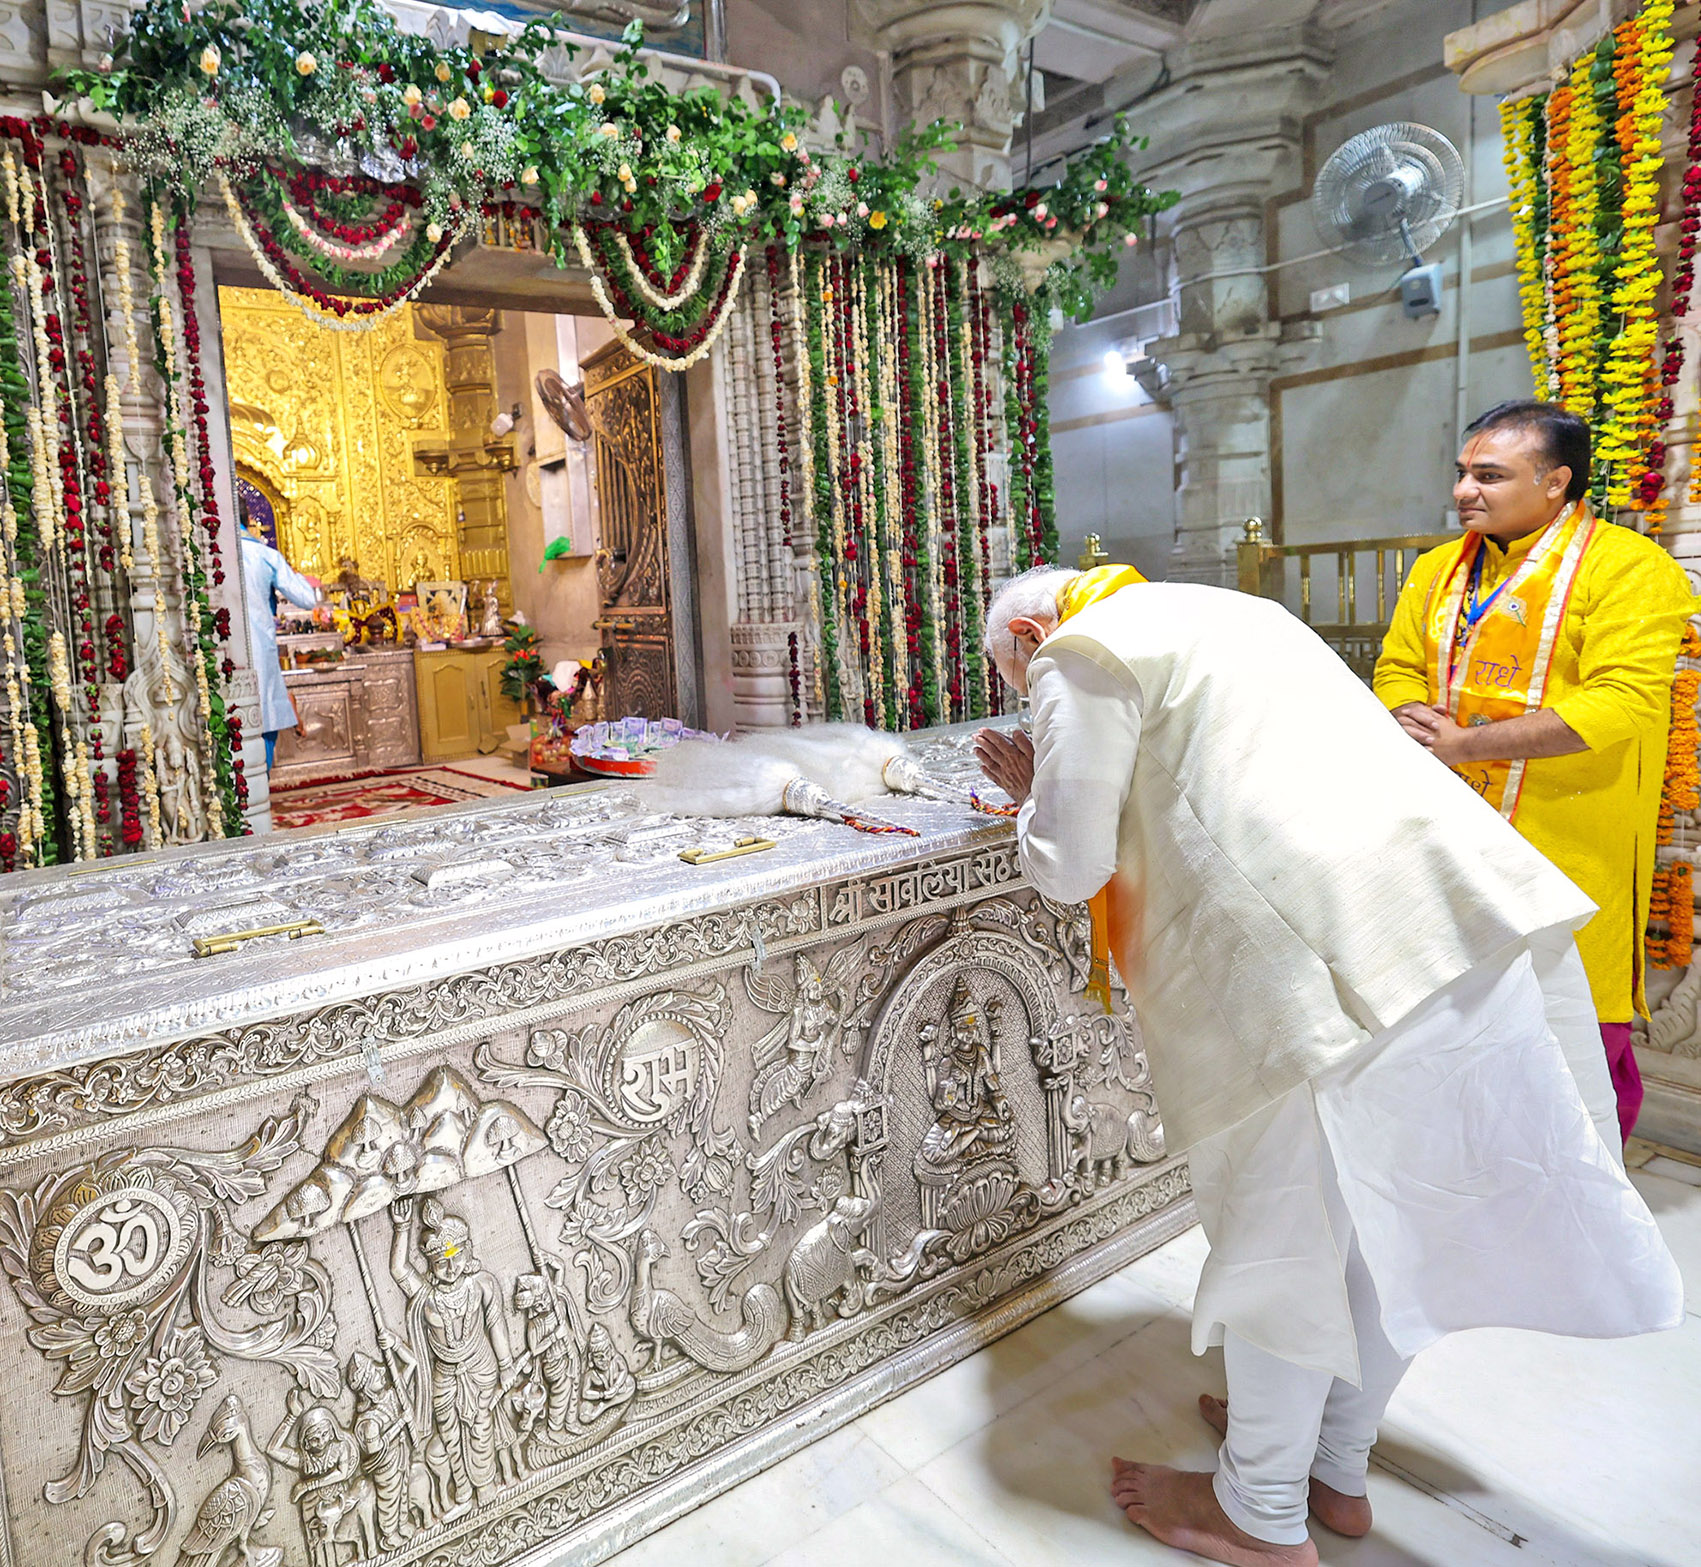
624 402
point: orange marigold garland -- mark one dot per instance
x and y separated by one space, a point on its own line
1671 920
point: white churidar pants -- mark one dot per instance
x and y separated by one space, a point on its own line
1452 1175
1289 1424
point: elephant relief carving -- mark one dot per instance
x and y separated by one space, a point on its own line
822 1274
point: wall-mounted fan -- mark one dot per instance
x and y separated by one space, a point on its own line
565 404
1388 194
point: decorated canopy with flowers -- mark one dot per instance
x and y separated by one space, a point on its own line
352 156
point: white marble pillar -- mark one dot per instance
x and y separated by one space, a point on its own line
958 61
1225 133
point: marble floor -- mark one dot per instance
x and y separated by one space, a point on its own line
1501 1448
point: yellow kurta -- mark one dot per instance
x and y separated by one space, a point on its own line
1595 813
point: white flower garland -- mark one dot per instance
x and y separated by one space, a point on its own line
32 768
335 250
9 167
59 673
43 419
150 787
41 468
687 290
117 469
649 356
85 794
329 318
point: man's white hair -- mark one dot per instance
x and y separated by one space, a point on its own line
1032 594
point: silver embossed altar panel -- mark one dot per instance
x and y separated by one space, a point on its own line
530 1255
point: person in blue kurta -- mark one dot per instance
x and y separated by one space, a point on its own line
267 577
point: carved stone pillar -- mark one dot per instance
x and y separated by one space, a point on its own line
1220 396
761 674
1225 132
960 62
477 463
160 692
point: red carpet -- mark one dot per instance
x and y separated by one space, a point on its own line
381 794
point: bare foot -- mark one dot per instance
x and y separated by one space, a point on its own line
1179 1508
1335 1510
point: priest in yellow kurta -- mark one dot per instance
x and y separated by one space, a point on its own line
1535 657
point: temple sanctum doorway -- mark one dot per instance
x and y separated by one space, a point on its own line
478 498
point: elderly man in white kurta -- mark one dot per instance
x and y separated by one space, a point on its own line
1365 1018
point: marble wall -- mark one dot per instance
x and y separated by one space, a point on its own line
1363 403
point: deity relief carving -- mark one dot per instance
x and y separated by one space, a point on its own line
973 1132
817 1020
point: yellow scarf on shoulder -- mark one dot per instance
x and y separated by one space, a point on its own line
1105 910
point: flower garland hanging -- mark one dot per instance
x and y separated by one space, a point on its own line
197 611
26 482
316 303
214 629
693 340
1524 140
1644 52
1671 907
1577 289
941 536
82 457
218 93
821 488
776 345
806 491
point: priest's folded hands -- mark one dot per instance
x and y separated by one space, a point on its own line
1340 957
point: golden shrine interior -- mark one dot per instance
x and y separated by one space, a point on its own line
419 453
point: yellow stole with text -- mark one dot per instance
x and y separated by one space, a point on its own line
1490 650
1109 909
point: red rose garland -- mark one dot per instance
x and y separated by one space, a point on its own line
306 186
981 403
636 244
301 283
201 456
1650 487
129 801
91 450
946 501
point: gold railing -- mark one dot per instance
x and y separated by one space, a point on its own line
1264 572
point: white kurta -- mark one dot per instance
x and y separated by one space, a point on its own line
267 576
1457 1144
